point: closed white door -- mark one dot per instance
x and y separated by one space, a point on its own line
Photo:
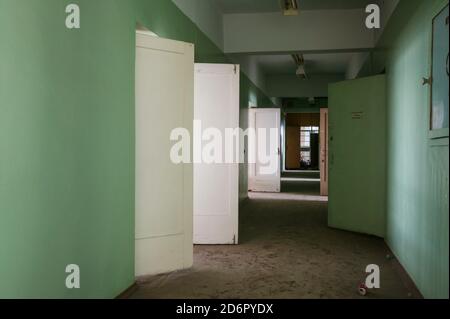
264 171
216 180
164 191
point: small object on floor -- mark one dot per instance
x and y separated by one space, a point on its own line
362 289
389 257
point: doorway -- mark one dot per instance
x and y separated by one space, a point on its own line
301 172
302 141
264 169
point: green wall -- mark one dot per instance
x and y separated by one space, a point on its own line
418 167
357 155
67 140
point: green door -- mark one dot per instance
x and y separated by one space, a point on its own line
357 155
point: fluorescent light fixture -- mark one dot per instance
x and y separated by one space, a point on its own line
289 7
301 71
300 62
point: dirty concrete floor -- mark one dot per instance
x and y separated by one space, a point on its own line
287 251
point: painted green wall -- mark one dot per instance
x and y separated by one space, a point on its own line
418 167
67 140
357 155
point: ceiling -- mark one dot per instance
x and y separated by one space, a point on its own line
325 63
258 6
277 64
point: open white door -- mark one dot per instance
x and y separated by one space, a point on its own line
265 176
216 185
324 152
164 191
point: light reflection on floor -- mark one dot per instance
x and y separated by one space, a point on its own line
288 196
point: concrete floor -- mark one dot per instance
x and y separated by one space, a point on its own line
286 250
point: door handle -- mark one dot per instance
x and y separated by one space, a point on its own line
428 81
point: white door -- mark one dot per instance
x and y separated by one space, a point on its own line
324 152
264 171
216 181
164 191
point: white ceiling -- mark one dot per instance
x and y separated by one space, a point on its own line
258 6
283 64
325 63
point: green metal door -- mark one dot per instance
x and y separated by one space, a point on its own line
357 155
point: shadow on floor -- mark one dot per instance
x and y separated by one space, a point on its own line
286 250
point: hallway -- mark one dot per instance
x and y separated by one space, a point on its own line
286 251
224 149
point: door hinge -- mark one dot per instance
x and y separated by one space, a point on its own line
234 239
235 69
